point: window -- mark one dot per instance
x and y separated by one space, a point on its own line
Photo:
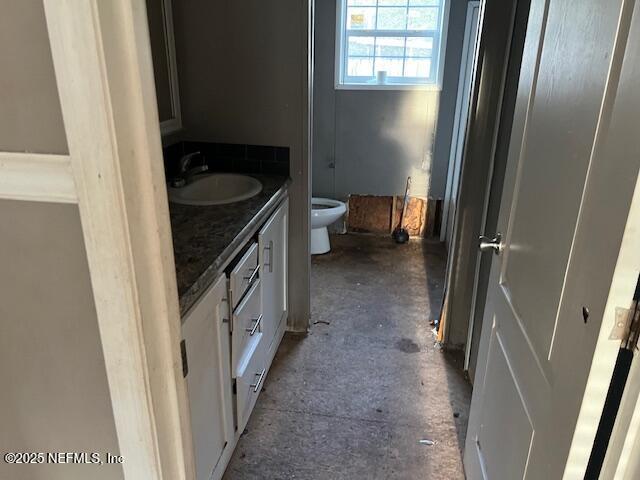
389 43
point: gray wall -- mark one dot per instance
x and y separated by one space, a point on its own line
239 65
242 71
376 138
54 395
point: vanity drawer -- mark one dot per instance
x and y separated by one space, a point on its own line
243 274
249 382
247 326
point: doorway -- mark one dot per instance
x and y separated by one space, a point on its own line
369 377
459 131
546 350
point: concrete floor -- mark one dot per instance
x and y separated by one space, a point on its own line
353 399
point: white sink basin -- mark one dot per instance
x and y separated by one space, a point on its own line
216 189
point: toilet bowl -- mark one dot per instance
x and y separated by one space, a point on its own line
324 211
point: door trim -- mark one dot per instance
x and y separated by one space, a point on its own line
622 460
457 148
37 177
482 131
101 51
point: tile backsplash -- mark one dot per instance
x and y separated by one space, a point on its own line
229 157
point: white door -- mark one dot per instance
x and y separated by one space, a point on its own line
272 243
206 340
461 117
550 282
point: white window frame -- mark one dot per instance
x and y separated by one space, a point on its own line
437 59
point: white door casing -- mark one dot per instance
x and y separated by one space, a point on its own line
563 217
113 172
467 66
622 461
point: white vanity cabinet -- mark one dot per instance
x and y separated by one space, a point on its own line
272 243
205 333
230 338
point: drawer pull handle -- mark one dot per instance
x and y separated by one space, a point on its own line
254 329
269 248
253 275
256 386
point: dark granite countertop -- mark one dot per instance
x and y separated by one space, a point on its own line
205 237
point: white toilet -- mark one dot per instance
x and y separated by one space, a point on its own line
324 212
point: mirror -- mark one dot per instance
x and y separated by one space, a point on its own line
163 54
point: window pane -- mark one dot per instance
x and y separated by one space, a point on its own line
406 58
390 47
360 67
361 18
419 47
360 46
393 3
393 66
423 18
392 18
417 67
425 2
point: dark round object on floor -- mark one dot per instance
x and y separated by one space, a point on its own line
401 235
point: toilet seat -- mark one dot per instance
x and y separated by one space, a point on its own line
328 206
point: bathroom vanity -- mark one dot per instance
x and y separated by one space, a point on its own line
231 263
229 222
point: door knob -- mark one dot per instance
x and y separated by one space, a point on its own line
487 244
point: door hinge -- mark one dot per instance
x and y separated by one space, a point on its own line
185 363
633 320
227 312
627 326
633 330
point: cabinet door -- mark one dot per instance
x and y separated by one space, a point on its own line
206 337
272 241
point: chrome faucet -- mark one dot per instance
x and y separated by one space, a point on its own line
185 172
